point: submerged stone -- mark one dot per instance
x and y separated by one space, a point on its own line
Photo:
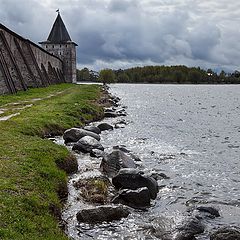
226 233
106 213
105 126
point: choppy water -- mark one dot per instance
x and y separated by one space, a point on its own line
189 132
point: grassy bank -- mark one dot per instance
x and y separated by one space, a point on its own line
30 181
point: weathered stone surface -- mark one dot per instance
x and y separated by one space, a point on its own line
226 233
113 162
210 212
188 229
110 114
74 134
105 213
139 198
105 126
97 153
87 144
121 147
93 129
133 179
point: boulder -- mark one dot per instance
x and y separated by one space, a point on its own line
113 162
111 109
75 134
87 144
96 153
188 229
134 179
105 126
105 213
121 147
93 129
110 114
226 233
207 211
139 199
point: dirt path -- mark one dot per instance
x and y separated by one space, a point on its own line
16 107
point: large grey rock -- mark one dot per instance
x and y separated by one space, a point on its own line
74 134
113 162
226 233
188 229
87 144
139 198
105 126
105 213
96 153
207 212
93 129
133 179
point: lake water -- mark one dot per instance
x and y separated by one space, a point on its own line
191 133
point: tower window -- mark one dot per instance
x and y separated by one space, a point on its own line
53 46
60 46
46 46
66 46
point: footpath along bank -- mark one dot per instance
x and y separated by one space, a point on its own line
32 185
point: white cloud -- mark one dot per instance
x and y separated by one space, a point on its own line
121 33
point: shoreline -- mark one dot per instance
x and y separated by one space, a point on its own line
32 184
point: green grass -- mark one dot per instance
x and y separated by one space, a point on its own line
30 181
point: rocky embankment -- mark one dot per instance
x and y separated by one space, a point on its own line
123 186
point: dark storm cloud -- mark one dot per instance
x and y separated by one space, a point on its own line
123 33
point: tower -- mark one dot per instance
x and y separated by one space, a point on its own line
60 44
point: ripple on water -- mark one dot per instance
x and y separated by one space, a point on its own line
190 133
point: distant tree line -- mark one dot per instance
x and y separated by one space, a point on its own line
86 75
160 74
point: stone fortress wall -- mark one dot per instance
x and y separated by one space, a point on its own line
24 64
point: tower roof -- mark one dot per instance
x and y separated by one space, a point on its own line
59 33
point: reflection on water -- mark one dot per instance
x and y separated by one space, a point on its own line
189 132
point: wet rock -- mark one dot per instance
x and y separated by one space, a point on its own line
110 114
74 134
139 199
117 126
122 121
133 179
113 162
125 150
159 176
188 229
134 157
96 153
122 148
110 109
226 233
87 144
93 129
210 212
105 126
121 112
105 213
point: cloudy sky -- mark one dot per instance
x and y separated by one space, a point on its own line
125 33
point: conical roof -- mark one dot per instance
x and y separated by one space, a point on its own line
59 33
